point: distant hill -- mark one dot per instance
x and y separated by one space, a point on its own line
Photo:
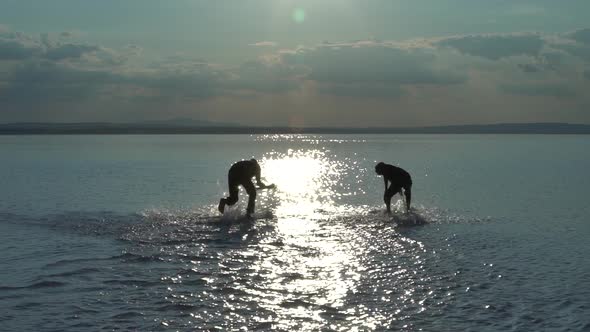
188 126
185 122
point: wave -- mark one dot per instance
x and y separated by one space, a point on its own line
73 273
204 225
127 315
284 262
131 282
37 285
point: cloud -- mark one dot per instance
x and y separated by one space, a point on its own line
188 81
575 43
37 82
11 49
65 51
43 80
362 68
557 90
552 59
362 90
264 44
17 46
581 36
267 76
412 77
42 70
529 68
50 71
67 34
496 46
134 49
367 65
578 50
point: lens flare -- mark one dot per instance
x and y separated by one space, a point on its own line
299 15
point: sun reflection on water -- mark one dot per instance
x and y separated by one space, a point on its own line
315 270
309 263
305 181
296 172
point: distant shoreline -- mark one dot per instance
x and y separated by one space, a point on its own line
141 129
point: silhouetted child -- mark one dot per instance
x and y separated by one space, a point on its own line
399 179
241 173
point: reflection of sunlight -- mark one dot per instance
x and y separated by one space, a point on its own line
313 272
294 175
315 266
304 180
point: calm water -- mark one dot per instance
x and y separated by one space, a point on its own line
122 233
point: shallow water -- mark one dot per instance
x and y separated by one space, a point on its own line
122 232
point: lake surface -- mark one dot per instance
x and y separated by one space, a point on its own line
122 233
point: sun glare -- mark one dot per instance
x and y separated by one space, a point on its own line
295 174
304 181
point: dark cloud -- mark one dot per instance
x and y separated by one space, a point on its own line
67 34
361 90
581 36
66 51
382 64
529 67
575 49
41 71
38 82
46 40
495 47
546 61
263 76
11 49
202 81
577 44
558 90
369 67
17 46
551 59
49 70
134 49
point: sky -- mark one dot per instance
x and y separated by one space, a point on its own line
297 63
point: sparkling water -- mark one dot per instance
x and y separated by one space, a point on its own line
123 233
